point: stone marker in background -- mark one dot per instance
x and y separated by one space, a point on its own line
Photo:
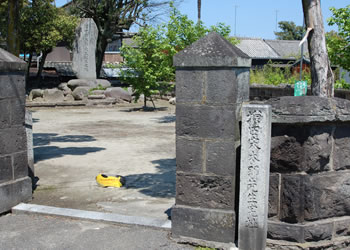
255 170
84 63
29 131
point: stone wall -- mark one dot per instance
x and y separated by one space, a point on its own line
15 185
309 198
261 92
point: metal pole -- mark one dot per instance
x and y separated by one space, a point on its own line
302 56
236 20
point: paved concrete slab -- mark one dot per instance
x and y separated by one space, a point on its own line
46 232
90 215
73 145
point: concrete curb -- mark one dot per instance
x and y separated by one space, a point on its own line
23 208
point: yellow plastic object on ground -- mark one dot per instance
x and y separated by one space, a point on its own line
110 181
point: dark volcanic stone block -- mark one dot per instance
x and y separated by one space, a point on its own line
342 227
221 157
5 111
341 156
292 198
285 231
221 87
317 232
286 154
12 85
206 224
189 155
190 85
205 191
294 109
274 194
315 197
206 121
300 148
17 108
5 169
20 164
328 195
14 192
13 140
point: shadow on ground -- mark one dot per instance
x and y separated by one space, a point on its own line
44 152
167 119
146 109
40 139
160 184
49 152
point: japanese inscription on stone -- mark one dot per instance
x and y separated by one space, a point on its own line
84 62
254 182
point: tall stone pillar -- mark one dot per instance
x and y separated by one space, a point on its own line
212 81
15 185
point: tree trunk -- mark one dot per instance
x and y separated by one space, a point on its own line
41 64
12 27
100 51
321 72
199 5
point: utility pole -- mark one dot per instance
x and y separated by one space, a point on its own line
236 6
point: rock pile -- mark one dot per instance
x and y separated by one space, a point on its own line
82 90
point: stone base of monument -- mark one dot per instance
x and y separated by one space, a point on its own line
14 192
309 199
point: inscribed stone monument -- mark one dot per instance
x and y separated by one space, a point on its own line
83 64
255 171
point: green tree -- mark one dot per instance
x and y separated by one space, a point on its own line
114 16
43 26
338 44
289 31
149 61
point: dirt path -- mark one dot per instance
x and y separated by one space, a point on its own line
72 146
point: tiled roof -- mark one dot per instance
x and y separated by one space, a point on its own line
256 48
287 48
270 49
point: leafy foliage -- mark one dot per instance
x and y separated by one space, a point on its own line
289 31
43 26
338 44
149 63
274 75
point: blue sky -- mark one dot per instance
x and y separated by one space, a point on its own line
255 18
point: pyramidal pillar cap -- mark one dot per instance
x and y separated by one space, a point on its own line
211 51
10 63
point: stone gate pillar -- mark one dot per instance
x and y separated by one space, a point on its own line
15 185
212 81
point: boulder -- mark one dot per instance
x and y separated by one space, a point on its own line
96 97
35 93
62 85
69 98
172 101
97 92
118 93
67 91
93 83
80 93
53 95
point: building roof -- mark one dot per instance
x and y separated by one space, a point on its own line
287 48
258 48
